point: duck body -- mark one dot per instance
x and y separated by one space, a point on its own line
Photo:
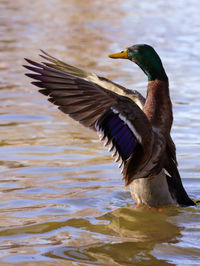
152 191
136 130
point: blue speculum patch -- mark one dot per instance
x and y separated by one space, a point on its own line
116 129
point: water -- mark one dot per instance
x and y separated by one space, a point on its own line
61 197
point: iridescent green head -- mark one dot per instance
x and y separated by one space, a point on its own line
146 58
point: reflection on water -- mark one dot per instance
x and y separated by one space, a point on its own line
61 196
120 237
131 240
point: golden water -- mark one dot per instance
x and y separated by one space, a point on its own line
62 201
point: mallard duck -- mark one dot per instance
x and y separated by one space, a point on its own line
136 130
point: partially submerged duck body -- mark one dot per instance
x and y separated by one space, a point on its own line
137 130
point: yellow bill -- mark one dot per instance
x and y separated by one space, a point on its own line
122 55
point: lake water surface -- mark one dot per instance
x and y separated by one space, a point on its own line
62 200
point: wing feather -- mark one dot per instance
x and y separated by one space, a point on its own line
101 81
121 123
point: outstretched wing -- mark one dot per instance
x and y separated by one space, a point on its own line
117 118
101 81
84 101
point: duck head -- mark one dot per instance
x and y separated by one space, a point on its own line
146 58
